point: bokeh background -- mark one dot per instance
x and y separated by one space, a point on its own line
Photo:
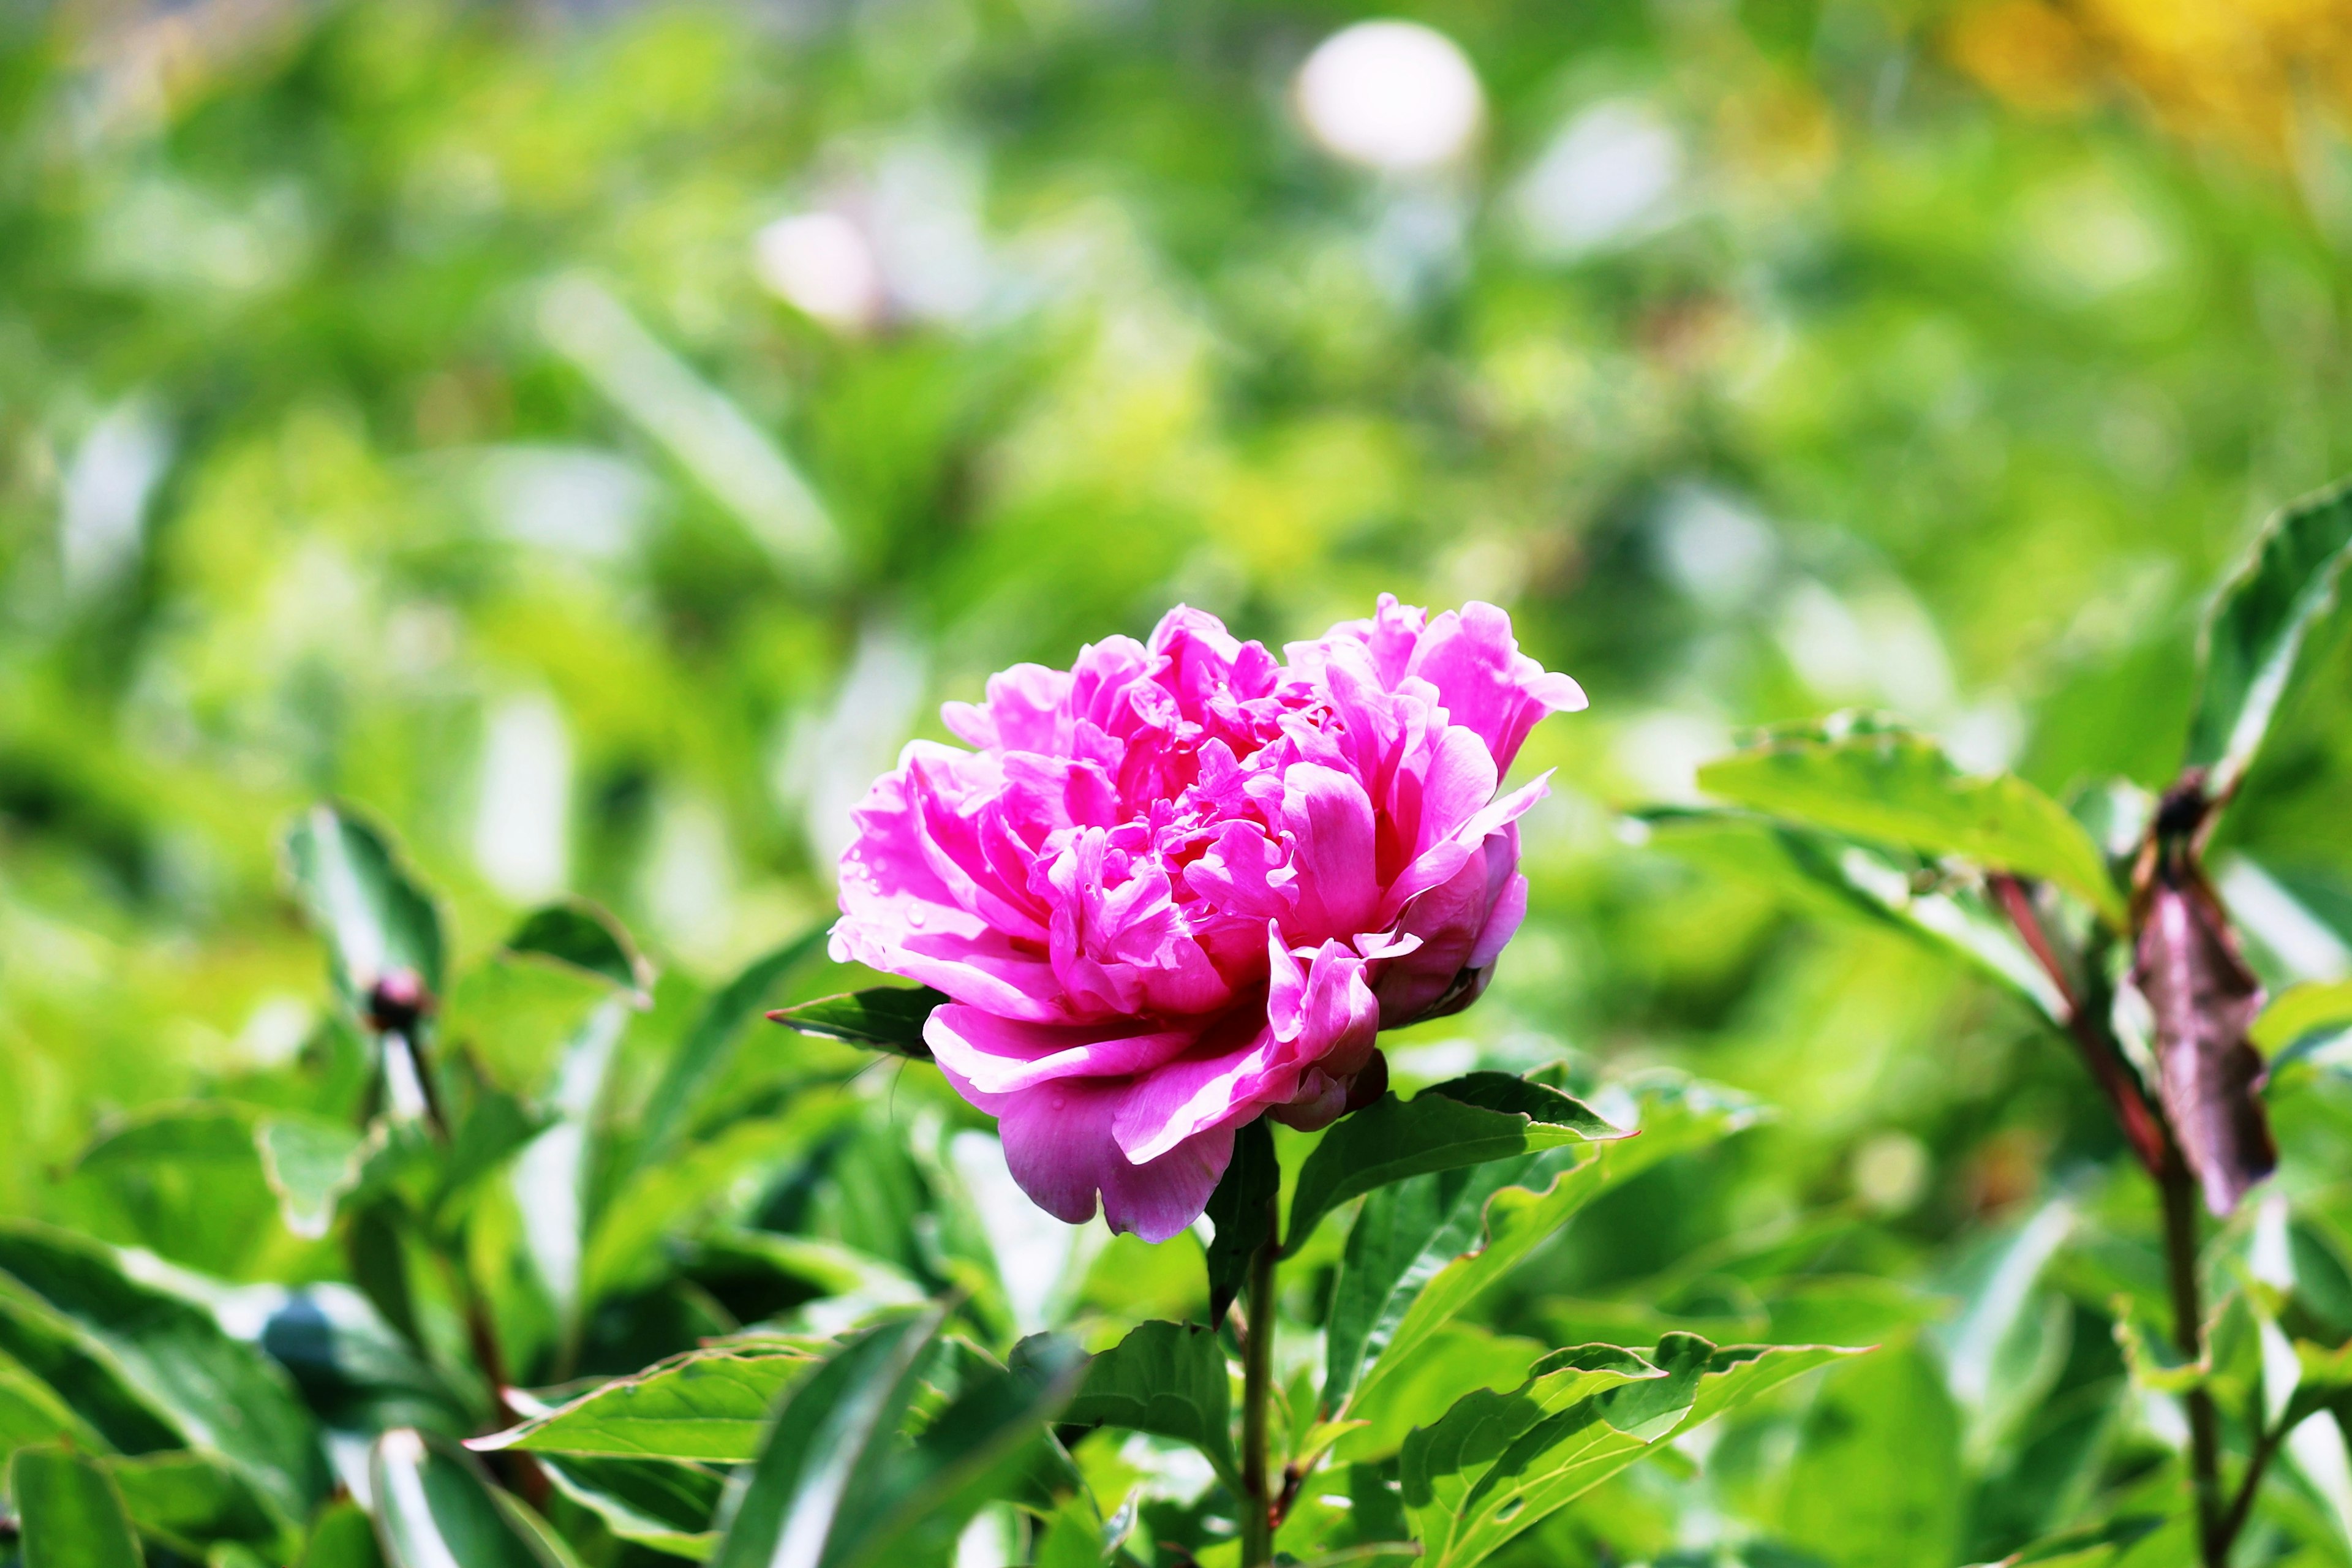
593 438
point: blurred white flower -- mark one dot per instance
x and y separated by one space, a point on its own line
523 821
1393 96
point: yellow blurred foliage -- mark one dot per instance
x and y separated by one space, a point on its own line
2244 72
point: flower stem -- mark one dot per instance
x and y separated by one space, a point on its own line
2179 1192
1257 1394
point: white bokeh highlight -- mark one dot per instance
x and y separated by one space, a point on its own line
1393 96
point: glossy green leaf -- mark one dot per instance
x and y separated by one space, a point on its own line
188 1501
435 1507
823 1458
581 936
1497 1463
1167 1379
668 1506
342 1536
220 1394
887 1018
2257 631
1898 787
1242 1210
703 1050
707 1405
377 919
2086 1546
1467 1121
32 1416
1885 887
1425 1248
69 1513
2318 1007
964 1458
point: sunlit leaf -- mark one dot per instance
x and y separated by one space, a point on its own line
2085 1546
1898 787
1467 1121
188 1501
668 1506
435 1507
311 1165
708 1406
217 1393
69 1513
962 1460
579 935
887 1018
341 1537
1167 1379
703 1050
1867 879
1870 1481
823 1460
2315 1007
2258 628
1423 1249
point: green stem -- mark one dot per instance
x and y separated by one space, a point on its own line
1257 1395
2179 1193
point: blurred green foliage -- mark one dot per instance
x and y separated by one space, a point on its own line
397 403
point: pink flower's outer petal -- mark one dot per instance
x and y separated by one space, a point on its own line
1463 925
1486 682
1058 1147
1442 862
1319 1015
1002 1056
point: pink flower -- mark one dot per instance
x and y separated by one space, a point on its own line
1181 885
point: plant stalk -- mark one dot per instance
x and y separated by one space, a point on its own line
2180 1194
1257 1397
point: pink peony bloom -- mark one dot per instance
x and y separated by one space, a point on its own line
1181 885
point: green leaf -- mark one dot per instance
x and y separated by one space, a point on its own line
2086 1546
2257 630
579 935
2315 1007
1496 1463
824 1453
341 1537
1854 877
377 920
887 1018
964 1458
312 1164
435 1509
1468 1122
1167 1379
32 1413
1872 1480
1445 1466
70 1514
1898 787
703 1050
188 1501
219 1394
1423 1248
706 1406
668 1506
1242 1209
